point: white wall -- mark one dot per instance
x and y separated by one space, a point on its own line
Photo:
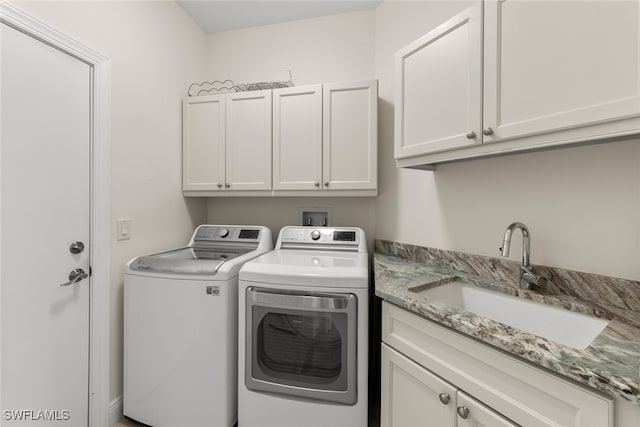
156 51
582 205
332 48
328 49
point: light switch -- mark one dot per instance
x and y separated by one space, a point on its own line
124 228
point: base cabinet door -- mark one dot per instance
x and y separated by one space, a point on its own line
472 413
412 396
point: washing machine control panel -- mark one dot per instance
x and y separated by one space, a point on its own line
338 238
214 233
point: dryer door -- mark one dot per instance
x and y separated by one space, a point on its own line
302 344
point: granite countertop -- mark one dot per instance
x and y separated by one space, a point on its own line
610 364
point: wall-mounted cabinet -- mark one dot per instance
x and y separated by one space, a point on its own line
432 376
325 139
220 152
507 76
324 142
297 138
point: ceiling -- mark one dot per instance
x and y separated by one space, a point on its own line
223 15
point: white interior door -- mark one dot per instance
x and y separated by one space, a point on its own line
45 184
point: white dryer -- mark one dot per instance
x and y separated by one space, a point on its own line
303 325
180 328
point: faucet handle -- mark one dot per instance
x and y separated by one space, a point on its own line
530 277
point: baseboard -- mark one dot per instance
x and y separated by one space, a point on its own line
115 410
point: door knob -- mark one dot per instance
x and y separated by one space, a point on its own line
76 247
487 131
76 276
471 135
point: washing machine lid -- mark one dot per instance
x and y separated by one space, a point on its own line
333 269
191 260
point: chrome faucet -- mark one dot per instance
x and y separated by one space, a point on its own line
527 276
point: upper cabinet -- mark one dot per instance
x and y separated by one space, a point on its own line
316 140
297 138
350 136
439 88
220 153
325 139
248 141
203 143
507 76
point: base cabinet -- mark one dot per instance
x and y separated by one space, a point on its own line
415 397
432 376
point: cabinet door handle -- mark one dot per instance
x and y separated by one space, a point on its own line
487 131
317 184
326 184
463 411
444 398
471 135
227 185
219 185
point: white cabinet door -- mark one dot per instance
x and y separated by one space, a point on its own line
203 143
559 65
439 88
297 138
412 396
472 413
350 136
248 140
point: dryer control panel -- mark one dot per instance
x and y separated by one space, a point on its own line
350 239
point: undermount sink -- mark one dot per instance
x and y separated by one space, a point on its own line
566 327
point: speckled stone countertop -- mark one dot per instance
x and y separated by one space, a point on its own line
610 364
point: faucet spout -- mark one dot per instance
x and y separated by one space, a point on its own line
526 277
506 243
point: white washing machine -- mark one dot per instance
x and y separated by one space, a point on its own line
180 328
303 331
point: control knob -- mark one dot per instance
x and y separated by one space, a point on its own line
315 235
224 233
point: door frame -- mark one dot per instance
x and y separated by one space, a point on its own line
99 300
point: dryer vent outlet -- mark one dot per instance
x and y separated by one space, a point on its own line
315 217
